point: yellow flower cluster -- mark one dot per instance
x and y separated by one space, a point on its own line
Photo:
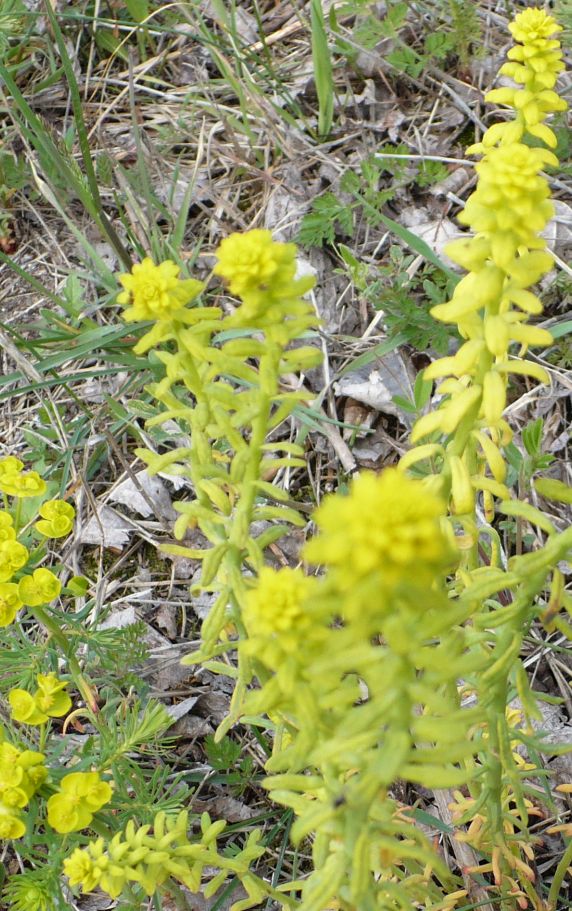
156 292
388 526
81 794
18 483
22 772
278 615
49 701
149 857
260 272
57 519
534 63
506 254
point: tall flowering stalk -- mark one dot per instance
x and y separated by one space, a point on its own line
225 385
491 305
504 257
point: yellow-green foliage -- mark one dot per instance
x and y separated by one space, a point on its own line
391 654
379 668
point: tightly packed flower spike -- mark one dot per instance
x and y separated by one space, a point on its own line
49 701
534 63
22 772
505 256
149 857
81 795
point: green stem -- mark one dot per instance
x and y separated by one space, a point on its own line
56 633
561 870
17 514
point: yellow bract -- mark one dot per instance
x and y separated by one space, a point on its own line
57 519
10 602
39 588
17 483
13 556
49 701
21 774
81 795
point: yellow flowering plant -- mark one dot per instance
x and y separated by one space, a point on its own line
389 658
56 793
358 669
397 661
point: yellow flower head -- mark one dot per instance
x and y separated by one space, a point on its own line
80 869
49 701
387 525
277 609
81 795
252 262
57 519
511 203
10 602
13 556
532 26
39 588
155 292
260 272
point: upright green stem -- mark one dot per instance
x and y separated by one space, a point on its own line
56 633
561 871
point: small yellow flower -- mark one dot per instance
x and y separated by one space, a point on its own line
252 262
13 556
277 614
155 292
260 272
57 519
81 795
49 701
10 602
81 870
533 26
388 524
39 588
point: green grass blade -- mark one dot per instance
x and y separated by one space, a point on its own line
103 222
323 74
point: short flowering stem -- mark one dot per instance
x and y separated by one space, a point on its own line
58 636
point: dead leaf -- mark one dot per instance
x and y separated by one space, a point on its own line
377 383
145 495
106 529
